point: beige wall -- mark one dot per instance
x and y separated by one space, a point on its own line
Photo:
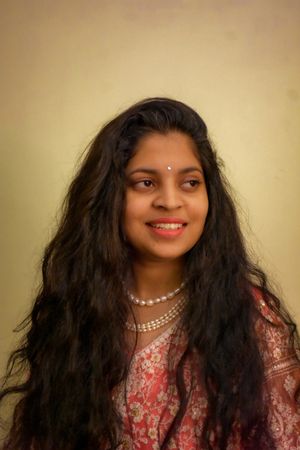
68 66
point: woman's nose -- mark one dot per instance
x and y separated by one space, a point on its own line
168 197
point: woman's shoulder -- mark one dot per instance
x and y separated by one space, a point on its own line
267 308
275 337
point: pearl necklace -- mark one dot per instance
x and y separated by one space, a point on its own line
155 301
160 321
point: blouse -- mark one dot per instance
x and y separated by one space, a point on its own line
149 400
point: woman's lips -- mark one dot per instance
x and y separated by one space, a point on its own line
167 228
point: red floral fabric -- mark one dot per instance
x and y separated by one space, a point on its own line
149 401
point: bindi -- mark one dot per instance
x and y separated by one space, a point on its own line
169 168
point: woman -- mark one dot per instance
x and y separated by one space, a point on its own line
152 328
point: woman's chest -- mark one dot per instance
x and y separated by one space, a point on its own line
149 402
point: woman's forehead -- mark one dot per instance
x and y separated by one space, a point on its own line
172 150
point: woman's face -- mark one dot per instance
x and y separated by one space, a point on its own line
166 199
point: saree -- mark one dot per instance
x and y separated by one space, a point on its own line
149 401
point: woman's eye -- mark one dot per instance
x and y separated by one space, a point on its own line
143 184
147 183
190 184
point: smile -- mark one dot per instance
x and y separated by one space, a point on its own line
167 229
167 226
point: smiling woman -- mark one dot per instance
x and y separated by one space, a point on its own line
153 329
165 210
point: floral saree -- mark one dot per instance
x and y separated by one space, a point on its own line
149 401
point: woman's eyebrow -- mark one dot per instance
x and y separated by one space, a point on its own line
144 170
191 169
155 172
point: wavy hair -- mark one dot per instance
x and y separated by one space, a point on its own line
72 353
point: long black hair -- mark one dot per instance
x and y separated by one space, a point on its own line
72 354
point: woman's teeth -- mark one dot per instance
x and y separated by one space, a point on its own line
167 226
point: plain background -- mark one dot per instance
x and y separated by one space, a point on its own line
67 67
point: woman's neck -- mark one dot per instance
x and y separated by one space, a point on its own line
152 279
